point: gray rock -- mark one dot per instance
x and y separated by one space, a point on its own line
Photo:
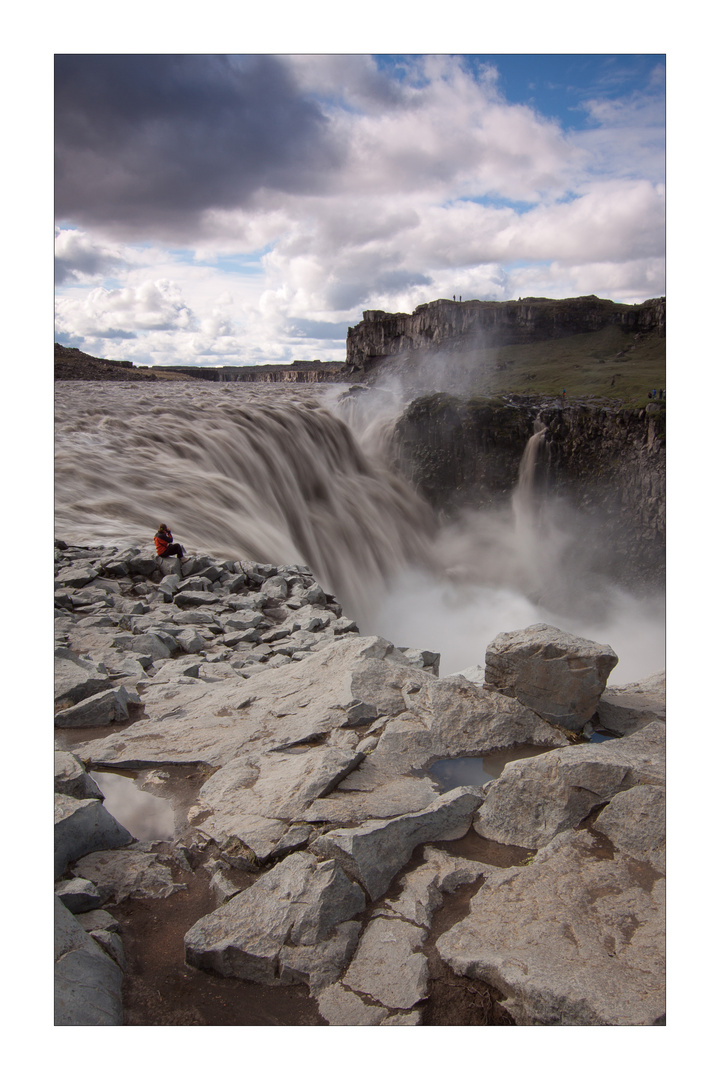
275 709
194 598
423 889
253 799
625 709
88 984
82 826
374 852
342 1007
98 919
111 944
72 779
388 965
155 646
557 675
169 671
536 798
75 576
571 939
76 679
78 895
320 964
134 872
300 902
107 707
190 641
634 821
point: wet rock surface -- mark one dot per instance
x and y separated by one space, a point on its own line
315 862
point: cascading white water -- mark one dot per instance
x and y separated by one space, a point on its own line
275 473
256 474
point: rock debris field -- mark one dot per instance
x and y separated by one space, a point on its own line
321 865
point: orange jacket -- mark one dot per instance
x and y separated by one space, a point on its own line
162 540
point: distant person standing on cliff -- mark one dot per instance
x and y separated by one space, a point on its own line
164 544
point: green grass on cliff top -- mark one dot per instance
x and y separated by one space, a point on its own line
584 365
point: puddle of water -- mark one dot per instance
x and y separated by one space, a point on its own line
601 736
146 816
476 771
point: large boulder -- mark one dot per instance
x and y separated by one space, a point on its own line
88 984
82 826
373 853
559 676
293 925
574 938
536 798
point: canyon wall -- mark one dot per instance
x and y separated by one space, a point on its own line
462 327
606 464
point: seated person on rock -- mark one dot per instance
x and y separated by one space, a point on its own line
164 544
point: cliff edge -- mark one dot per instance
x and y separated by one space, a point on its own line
473 325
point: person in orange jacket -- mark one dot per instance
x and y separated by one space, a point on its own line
164 544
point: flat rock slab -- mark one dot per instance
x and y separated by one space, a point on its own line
133 872
341 1007
536 798
557 675
88 984
388 964
373 853
255 798
571 939
296 917
273 709
82 826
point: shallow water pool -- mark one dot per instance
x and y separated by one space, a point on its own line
146 816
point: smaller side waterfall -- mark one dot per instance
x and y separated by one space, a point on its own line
526 505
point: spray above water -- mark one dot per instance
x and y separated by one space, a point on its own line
268 473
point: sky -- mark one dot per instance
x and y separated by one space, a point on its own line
244 209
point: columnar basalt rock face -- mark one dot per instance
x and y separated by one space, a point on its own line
461 327
608 463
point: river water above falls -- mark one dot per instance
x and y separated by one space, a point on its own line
289 475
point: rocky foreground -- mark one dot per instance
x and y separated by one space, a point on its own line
310 811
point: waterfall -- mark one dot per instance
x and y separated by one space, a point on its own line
291 474
238 475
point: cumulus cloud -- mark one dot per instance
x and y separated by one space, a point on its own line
107 313
78 257
303 189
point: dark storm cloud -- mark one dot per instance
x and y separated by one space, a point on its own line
150 142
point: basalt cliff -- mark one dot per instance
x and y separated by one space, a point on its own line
466 327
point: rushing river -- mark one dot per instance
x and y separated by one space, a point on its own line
286 474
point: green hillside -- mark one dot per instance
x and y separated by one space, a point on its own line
607 364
